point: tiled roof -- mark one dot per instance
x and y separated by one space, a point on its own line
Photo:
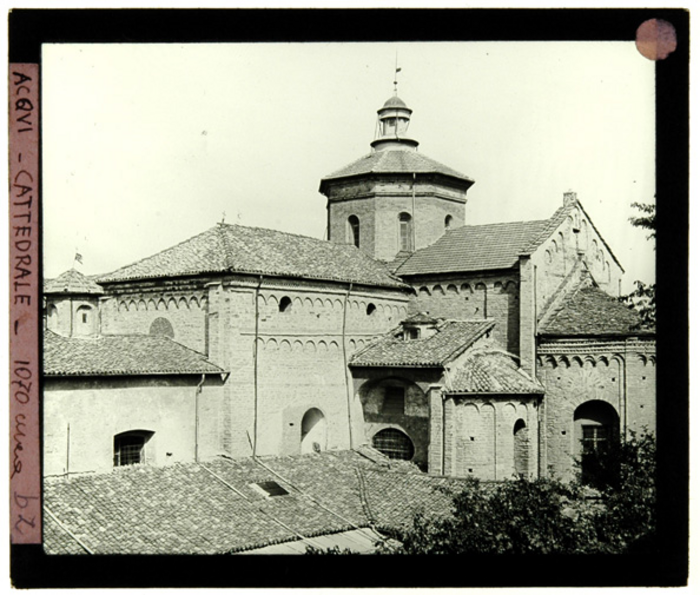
393 162
235 248
451 339
211 508
492 371
73 282
122 355
588 310
475 248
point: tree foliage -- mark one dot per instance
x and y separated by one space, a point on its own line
545 516
643 297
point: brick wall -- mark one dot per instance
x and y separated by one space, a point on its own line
134 313
470 297
377 202
301 358
575 372
480 439
558 254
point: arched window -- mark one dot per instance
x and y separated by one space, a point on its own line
313 431
84 321
520 448
405 233
285 304
394 444
161 327
596 425
448 222
130 447
353 231
371 309
52 317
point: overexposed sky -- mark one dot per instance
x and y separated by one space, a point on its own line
147 145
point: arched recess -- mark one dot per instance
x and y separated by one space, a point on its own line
521 447
161 327
597 432
394 443
52 317
313 431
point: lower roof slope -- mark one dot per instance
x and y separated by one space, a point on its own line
121 355
492 371
211 508
588 310
235 248
451 338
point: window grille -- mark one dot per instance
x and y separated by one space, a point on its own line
129 449
394 444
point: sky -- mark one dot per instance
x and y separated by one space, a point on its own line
145 146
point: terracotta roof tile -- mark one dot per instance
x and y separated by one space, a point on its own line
211 508
492 371
235 248
73 282
588 310
121 356
475 248
391 162
451 339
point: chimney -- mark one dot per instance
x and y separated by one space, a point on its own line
569 198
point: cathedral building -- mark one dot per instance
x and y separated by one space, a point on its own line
489 351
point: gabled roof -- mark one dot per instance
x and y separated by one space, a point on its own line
72 282
475 248
452 338
235 248
492 371
123 355
393 162
588 310
211 508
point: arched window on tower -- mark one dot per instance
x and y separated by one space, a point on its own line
353 231
405 233
448 222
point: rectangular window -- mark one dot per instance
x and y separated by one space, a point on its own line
595 438
393 400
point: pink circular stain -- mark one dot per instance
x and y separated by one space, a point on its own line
656 39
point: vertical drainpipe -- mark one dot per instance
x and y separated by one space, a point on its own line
68 449
196 418
444 437
345 365
413 211
255 369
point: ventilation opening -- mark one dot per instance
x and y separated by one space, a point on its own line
269 489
